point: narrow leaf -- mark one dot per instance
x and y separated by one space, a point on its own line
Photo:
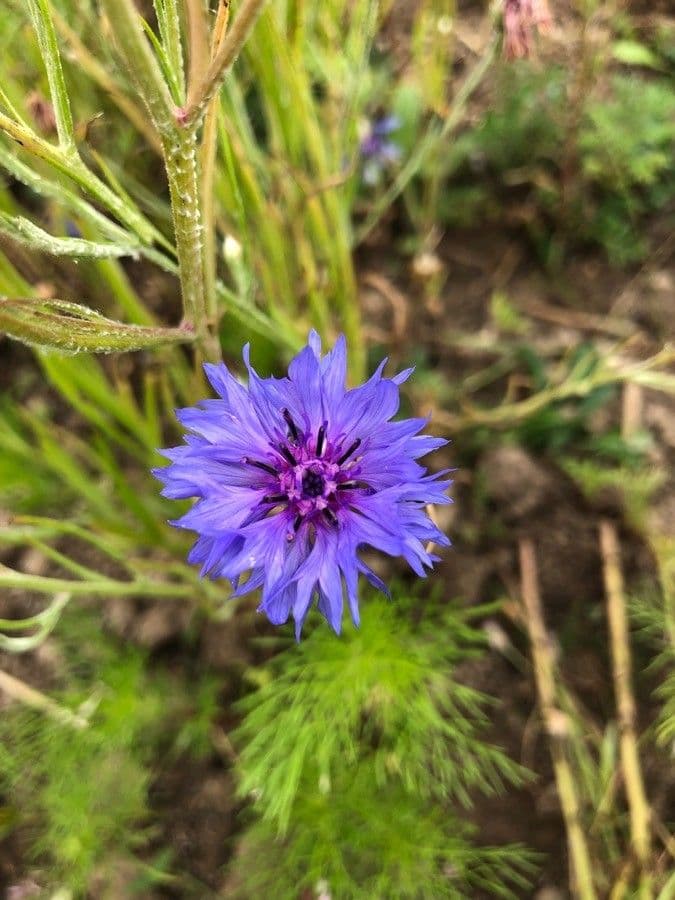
70 328
49 50
26 232
65 196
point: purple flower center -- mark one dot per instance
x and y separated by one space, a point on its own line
313 483
310 478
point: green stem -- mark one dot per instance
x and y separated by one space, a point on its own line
69 163
41 14
173 42
183 174
107 587
208 155
206 89
140 61
179 145
647 373
18 690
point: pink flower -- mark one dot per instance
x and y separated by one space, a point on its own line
522 18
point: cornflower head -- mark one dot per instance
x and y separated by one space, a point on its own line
377 149
293 476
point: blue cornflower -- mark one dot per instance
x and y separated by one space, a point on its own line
295 475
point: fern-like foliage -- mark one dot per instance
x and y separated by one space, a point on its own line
626 147
80 795
361 841
629 140
622 147
636 484
358 751
85 789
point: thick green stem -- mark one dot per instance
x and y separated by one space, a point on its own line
183 174
179 145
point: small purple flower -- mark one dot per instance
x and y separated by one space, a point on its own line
377 150
72 229
294 475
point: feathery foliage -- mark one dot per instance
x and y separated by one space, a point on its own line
80 794
375 728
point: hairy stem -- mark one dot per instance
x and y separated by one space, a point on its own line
182 172
179 146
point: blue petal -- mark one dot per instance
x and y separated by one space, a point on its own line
365 408
403 376
305 374
264 394
374 579
334 375
314 341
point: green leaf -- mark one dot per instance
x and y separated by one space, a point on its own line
70 328
49 50
631 53
31 235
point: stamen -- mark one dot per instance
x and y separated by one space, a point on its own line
297 523
321 439
345 456
330 517
274 498
286 453
260 465
292 427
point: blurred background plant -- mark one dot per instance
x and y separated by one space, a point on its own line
376 168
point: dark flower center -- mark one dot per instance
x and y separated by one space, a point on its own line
314 478
313 483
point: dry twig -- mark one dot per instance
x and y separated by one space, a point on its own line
555 721
638 806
